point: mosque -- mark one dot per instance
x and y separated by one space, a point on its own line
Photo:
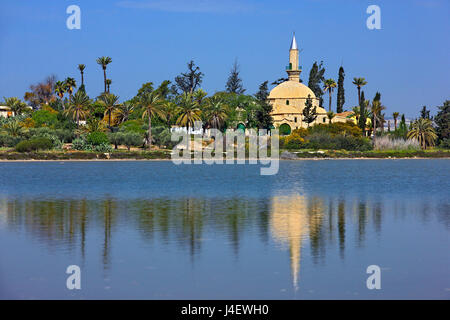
288 98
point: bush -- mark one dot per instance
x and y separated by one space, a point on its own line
44 117
34 145
337 142
338 128
445 143
136 126
81 144
97 138
8 141
104 147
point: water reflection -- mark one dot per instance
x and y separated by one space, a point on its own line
291 222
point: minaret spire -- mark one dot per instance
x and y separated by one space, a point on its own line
293 70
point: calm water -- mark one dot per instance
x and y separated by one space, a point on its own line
153 230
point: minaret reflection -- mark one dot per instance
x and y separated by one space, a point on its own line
292 220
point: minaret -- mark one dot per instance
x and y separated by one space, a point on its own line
293 70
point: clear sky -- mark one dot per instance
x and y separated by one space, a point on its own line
152 40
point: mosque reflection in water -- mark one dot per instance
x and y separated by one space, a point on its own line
291 223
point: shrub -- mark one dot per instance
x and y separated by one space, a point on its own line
103 147
337 142
34 145
294 140
81 144
97 138
338 128
387 143
8 141
445 143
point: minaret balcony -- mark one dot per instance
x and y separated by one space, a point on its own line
290 68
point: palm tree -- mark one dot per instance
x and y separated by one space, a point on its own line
216 112
108 83
395 115
104 61
330 115
60 90
359 83
78 105
376 108
81 67
12 103
70 85
356 113
13 128
198 96
171 110
189 111
329 85
152 104
423 131
124 111
110 102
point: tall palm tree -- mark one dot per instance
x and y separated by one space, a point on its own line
111 103
171 110
70 85
423 131
330 115
216 112
329 85
124 111
376 109
81 67
359 83
108 84
395 115
189 111
152 104
104 61
60 90
78 106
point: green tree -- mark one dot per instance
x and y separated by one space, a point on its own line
377 108
359 83
442 121
189 112
108 84
81 67
341 91
104 61
316 77
422 130
16 106
424 113
263 115
329 85
152 105
216 112
234 83
78 106
363 104
189 81
330 115
309 112
111 103
171 110
60 90
70 84
395 116
124 111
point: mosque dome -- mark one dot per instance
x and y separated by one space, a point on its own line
291 90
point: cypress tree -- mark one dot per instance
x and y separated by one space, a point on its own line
341 91
263 116
362 114
309 112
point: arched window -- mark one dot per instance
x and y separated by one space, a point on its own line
324 120
287 102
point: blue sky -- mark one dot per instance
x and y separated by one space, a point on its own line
407 60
